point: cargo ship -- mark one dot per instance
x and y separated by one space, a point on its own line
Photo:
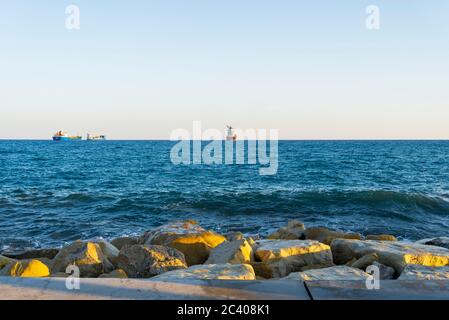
63 136
91 137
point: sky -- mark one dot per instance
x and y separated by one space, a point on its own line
141 69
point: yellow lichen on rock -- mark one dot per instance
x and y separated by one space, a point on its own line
280 257
187 237
210 272
394 254
427 260
28 269
282 249
86 255
381 237
235 252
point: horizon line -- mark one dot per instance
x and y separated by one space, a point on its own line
289 139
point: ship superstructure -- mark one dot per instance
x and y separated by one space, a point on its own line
61 135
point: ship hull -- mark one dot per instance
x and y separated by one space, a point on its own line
66 138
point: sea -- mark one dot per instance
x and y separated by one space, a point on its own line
52 193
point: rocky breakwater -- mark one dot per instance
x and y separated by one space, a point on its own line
184 250
187 237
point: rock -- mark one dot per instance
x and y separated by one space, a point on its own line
251 242
109 250
394 254
4 261
235 252
335 273
210 271
365 261
144 261
350 262
119 243
293 231
31 268
385 272
49 263
317 266
262 269
117 273
234 235
419 272
285 256
32 254
439 242
381 237
88 256
326 236
187 237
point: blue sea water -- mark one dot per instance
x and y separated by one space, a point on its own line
52 193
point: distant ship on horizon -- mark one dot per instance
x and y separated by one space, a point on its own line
91 137
61 135
230 135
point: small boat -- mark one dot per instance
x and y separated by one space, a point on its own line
61 135
230 135
91 137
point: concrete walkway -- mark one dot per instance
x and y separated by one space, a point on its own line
138 289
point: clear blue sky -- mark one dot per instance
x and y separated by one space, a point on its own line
139 69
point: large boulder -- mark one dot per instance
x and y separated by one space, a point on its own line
326 236
418 272
187 237
365 261
393 254
236 252
335 273
439 242
109 250
31 268
381 237
281 257
117 273
32 254
211 271
4 261
88 256
119 243
293 231
234 235
385 272
144 261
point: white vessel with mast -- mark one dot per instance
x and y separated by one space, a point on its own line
230 135
95 137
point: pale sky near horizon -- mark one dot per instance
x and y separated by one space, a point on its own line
140 69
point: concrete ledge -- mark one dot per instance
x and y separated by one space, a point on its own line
138 289
388 290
